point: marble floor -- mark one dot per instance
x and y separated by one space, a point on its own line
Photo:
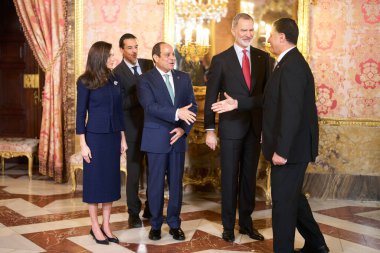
41 216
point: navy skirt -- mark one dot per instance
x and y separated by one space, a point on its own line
101 177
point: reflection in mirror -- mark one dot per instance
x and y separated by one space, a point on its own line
264 13
192 34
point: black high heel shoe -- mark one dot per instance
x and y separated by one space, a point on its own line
104 242
110 239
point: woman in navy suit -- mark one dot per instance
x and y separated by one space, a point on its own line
102 139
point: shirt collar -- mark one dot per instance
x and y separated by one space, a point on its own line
131 65
284 53
239 49
163 73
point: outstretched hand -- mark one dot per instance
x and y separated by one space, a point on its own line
225 105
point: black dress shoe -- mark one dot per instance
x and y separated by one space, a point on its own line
104 242
228 235
177 234
322 249
252 233
146 213
110 239
155 234
134 221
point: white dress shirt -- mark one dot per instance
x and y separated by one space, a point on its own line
162 73
240 54
130 66
170 78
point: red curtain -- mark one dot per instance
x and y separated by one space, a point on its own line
44 24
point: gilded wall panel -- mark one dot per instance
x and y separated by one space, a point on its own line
353 150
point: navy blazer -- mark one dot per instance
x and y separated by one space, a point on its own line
104 107
159 111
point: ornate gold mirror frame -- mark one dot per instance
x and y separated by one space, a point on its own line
303 23
303 13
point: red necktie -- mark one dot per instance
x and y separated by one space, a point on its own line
246 69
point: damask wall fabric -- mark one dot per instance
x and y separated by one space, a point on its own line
345 58
109 19
44 23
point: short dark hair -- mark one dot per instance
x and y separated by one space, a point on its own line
156 50
126 36
288 27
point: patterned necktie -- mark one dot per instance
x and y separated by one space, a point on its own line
170 88
246 69
135 73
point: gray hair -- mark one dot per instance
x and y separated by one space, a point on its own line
238 16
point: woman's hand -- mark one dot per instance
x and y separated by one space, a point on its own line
86 153
85 150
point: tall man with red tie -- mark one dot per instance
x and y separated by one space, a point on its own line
240 72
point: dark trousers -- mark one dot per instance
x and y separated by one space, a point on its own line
135 160
290 209
171 164
239 159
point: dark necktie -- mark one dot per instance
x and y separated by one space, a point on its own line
135 73
246 69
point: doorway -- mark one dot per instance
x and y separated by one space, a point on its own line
20 108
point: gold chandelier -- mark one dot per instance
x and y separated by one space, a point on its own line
201 9
190 17
194 50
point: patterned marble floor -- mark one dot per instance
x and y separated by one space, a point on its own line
41 216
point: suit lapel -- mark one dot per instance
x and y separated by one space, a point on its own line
128 73
143 66
177 89
235 67
159 81
256 66
274 76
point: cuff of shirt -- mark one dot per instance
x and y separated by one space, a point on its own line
176 115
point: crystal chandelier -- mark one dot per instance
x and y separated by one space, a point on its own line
201 9
190 16
194 50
